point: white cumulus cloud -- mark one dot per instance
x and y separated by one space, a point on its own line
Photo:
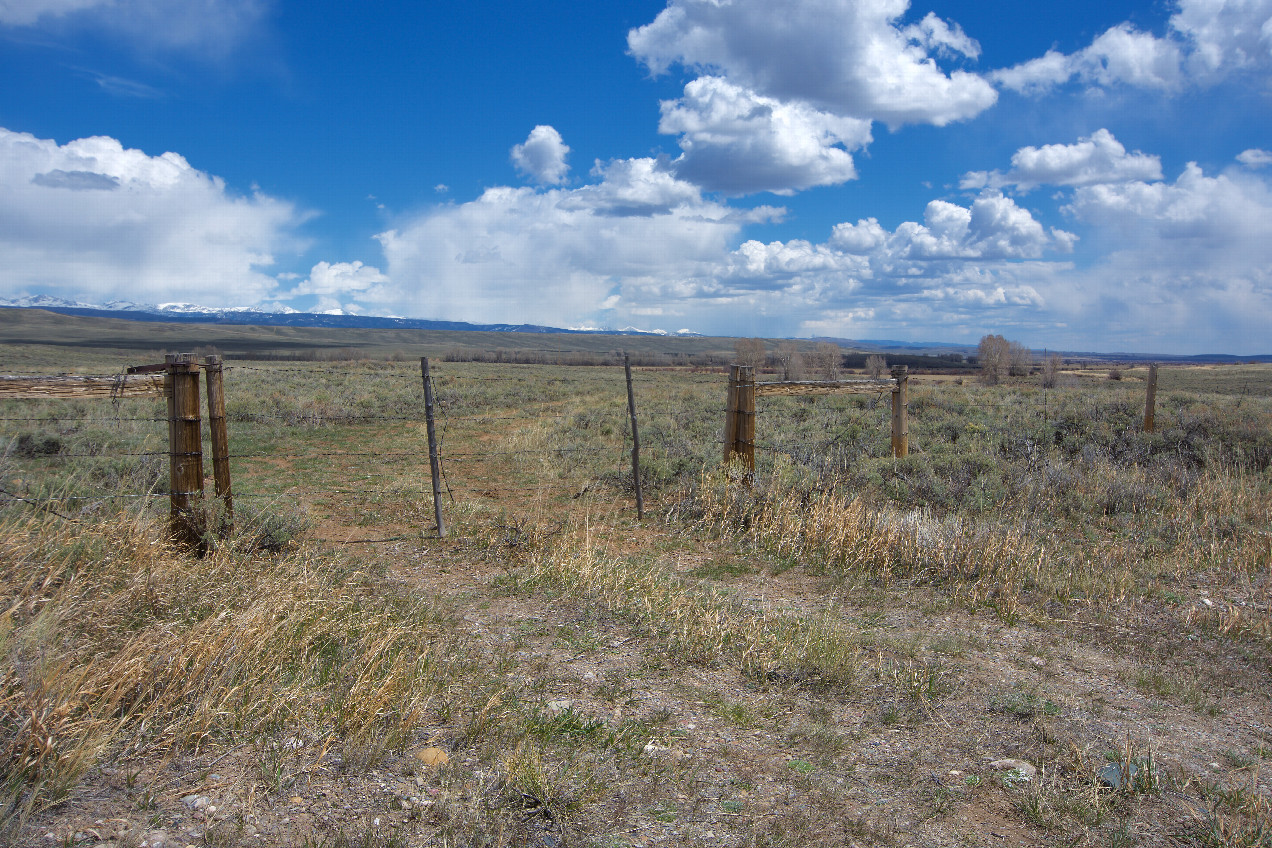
542 156
739 142
1098 158
1255 157
851 58
93 220
1206 41
344 285
562 256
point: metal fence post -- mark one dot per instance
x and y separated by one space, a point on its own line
434 464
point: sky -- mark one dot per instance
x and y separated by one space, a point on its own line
1091 176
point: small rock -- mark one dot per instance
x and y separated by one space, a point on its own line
1116 775
196 802
1024 771
432 756
155 839
1038 661
557 707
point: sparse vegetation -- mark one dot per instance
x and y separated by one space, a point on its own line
833 653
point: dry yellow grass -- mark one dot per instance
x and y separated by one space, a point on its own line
114 642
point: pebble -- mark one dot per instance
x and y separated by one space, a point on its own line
196 802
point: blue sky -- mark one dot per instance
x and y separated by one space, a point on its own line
1078 175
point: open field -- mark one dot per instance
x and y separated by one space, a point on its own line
842 653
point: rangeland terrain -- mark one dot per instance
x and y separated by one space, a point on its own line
1043 627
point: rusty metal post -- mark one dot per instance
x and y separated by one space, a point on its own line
185 452
900 403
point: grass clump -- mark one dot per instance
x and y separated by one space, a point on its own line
117 647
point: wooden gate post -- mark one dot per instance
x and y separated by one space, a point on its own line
1150 402
434 464
185 451
900 402
631 410
744 439
220 439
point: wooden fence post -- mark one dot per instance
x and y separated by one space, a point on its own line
220 439
1150 402
434 464
744 446
631 410
900 402
731 414
739 419
185 451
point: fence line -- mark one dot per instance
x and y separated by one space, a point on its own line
466 456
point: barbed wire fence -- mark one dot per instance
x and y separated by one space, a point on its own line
303 436
346 445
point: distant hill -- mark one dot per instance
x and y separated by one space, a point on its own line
915 354
184 313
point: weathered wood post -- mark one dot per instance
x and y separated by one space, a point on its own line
1150 402
900 402
731 414
631 411
434 464
744 440
220 438
185 451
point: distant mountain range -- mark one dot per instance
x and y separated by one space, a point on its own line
186 313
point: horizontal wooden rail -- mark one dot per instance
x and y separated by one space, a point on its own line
119 386
823 387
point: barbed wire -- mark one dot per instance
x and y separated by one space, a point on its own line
101 419
460 457
347 372
102 455
451 419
